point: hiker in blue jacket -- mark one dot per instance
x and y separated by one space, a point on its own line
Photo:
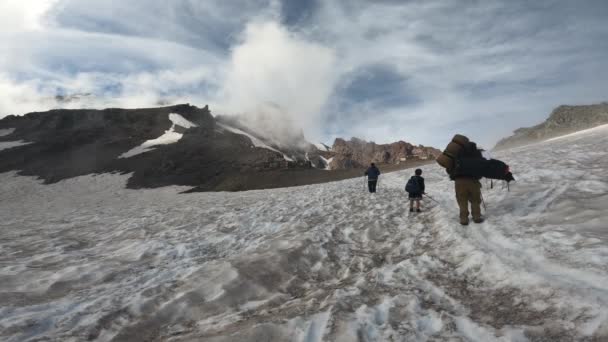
415 189
372 174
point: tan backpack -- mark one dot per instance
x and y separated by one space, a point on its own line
451 152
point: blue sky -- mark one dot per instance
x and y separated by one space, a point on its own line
381 70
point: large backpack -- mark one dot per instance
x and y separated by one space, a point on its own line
412 186
452 152
481 167
462 158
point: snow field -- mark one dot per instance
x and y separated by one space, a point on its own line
87 259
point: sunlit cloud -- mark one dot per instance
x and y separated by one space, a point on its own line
381 70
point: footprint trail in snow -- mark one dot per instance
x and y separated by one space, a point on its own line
86 259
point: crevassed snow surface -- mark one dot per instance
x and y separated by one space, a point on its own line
10 144
170 137
87 259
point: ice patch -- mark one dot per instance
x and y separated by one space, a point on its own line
170 137
6 131
181 121
10 144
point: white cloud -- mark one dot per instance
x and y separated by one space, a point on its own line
275 77
23 15
469 66
481 69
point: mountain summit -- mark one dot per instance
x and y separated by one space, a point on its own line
178 145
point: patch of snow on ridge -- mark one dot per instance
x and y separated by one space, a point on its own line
181 121
327 161
322 147
10 144
170 137
255 141
6 131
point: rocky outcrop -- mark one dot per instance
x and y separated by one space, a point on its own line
209 153
357 153
563 120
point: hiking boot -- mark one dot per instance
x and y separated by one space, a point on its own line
479 220
464 222
418 210
411 210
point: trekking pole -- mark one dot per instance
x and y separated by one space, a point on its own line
431 198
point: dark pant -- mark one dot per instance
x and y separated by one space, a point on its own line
415 197
371 184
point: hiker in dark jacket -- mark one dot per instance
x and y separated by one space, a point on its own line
372 174
416 190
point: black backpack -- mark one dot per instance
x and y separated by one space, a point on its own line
462 158
481 167
470 150
412 186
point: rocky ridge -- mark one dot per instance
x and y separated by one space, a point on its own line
563 120
357 153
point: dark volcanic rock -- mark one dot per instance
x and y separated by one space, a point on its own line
563 120
70 143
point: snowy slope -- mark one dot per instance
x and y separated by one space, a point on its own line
87 259
255 141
